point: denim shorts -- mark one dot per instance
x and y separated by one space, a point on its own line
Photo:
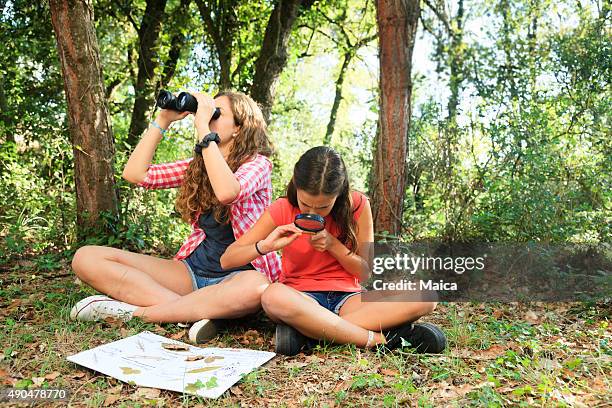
199 282
331 300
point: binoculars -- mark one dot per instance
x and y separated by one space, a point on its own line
184 102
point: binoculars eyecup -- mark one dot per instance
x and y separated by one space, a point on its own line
184 102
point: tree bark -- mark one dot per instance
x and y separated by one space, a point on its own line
6 124
89 121
273 56
397 24
148 36
331 124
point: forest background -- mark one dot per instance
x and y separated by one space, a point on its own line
508 141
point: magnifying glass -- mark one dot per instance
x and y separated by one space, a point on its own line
311 223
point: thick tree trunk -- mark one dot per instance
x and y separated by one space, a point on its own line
144 90
273 56
90 125
397 24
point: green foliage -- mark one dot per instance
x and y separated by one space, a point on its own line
526 155
529 158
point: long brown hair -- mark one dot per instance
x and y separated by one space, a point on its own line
196 194
321 170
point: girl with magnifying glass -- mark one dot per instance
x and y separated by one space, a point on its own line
325 232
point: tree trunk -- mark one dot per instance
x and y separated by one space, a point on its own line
177 42
221 25
6 124
337 99
273 56
148 36
397 24
90 125
456 55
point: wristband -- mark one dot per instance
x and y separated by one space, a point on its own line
257 249
161 129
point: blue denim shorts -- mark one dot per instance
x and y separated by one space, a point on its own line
331 300
200 282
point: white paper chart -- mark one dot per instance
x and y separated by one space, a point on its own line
141 360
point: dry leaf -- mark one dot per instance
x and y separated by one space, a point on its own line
203 369
531 317
492 352
178 335
194 358
175 346
38 381
149 393
111 399
236 390
52 376
78 374
391 373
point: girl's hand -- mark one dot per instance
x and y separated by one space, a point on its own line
321 241
280 238
166 116
206 108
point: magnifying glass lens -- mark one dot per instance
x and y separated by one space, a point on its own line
309 222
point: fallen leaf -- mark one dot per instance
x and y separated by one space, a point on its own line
149 393
391 373
194 358
203 369
236 390
548 364
178 335
111 399
531 317
129 370
492 352
78 374
175 346
52 376
342 386
38 381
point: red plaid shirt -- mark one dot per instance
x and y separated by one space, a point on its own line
255 196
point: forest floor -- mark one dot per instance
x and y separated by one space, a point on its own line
520 354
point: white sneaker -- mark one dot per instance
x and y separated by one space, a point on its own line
202 330
99 307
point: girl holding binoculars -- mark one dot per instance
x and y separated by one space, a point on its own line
318 296
224 189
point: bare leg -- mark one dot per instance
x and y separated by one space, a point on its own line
383 315
236 296
137 279
356 318
288 305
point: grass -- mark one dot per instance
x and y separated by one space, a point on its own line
527 354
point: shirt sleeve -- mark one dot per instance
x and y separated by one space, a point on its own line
165 175
252 177
359 200
277 211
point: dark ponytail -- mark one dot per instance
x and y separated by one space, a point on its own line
321 170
